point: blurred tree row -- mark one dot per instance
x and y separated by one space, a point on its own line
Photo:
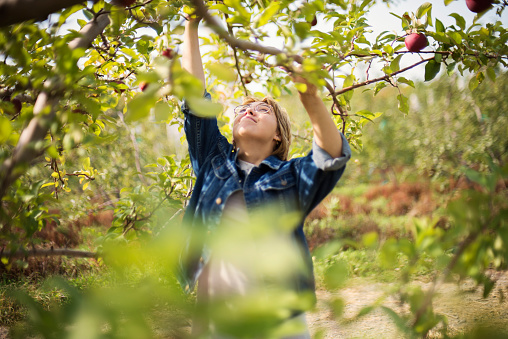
449 128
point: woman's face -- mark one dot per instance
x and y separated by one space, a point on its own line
257 121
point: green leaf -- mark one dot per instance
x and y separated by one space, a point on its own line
366 310
301 87
85 162
473 83
338 305
439 26
432 68
268 13
388 49
447 2
222 72
488 285
301 29
441 37
395 64
461 22
399 322
336 275
491 73
450 68
52 152
403 103
139 107
379 86
370 239
5 129
161 111
406 81
456 37
204 107
424 8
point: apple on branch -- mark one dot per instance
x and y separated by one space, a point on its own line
123 3
478 6
313 22
168 53
415 42
143 86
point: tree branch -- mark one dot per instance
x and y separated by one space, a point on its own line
237 64
16 11
214 24
383 78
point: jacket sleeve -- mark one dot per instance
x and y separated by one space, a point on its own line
202 134
318 173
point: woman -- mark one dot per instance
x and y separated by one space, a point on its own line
235 179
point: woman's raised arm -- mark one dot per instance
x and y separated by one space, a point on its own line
326 134
191 56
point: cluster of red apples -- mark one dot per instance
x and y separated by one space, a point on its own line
415 42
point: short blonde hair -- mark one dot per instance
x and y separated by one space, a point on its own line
281 149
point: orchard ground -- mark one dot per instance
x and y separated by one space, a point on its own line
464 307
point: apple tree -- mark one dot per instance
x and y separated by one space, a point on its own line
77 74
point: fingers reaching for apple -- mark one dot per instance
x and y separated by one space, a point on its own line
308 89
303 85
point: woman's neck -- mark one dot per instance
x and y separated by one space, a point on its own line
254 153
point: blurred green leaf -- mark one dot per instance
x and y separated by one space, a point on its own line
204 107
336 275
222 72
139 107
268 13
5 129
403 103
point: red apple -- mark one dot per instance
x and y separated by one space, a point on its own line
168 53
124 3
247 79
314 21
478 6
416 42
17 105
143 85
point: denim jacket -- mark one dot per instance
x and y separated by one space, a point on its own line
302 182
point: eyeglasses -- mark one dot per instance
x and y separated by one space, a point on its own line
259 108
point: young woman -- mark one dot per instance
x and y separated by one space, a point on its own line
235 179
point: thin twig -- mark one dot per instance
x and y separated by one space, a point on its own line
212 22
237 64
383 78
80 174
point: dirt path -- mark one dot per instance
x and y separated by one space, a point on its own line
462 307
